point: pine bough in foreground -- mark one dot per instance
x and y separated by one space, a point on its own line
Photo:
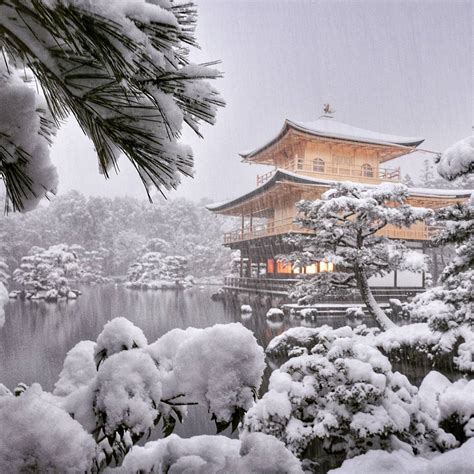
121 68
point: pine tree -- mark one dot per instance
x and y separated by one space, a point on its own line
121 68
347 222
408 181
450 306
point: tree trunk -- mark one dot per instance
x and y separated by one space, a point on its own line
368 298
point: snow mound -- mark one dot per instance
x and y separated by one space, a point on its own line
456 461
212 455
245 308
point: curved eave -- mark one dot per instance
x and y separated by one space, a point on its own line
407 145
286 176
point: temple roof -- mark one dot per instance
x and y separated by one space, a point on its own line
287 176
327 127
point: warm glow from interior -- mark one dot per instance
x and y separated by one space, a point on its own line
270 265
313 268
283 268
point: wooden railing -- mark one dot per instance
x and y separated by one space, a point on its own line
272 227
288 225
342 171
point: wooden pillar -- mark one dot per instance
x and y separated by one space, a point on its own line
241 267
251 219
242 229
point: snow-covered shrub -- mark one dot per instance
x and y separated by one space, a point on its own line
219 367
78 370
253 453
246 309
47 270
155 271
118 388
118 335
456 461
456 409
38 436
342 398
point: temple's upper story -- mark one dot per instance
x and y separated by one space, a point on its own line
310 158
331 149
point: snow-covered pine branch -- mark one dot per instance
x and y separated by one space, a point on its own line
122 69
347 221
450 306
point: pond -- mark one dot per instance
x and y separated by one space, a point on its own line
37 335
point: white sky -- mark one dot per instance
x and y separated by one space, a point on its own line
400 67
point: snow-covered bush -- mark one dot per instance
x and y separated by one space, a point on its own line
37 435
456 461
255 452
338 394
112 392
47 271
155 271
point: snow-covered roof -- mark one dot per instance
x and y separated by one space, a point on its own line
330 128
285 175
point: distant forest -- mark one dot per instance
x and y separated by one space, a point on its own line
121 229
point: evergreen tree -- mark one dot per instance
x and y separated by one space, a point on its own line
450 306
347 222
427 174
121 68
407 181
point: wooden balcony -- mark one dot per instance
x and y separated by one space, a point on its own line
288 225
338 173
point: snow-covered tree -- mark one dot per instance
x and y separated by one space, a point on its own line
48 271
347 222
450 306
408 181
122 69
428 178
153 271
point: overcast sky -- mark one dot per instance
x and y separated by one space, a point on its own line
400 67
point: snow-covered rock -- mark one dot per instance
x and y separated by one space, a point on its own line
245 308
275 313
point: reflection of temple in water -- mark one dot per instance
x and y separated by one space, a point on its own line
307 159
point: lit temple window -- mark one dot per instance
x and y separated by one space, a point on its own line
323 266
367 171
299 163
283 267
318 165
312 268
270 265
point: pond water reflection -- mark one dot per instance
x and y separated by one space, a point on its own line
37 335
